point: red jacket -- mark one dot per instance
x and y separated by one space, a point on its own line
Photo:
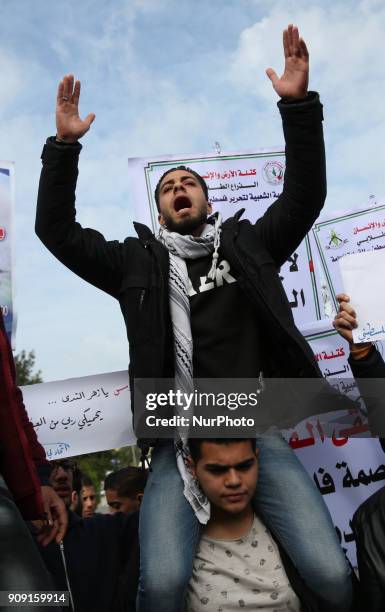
20 451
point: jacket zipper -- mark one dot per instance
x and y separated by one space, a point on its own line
141 299
61 545
142 291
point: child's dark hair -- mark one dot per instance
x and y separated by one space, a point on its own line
195 444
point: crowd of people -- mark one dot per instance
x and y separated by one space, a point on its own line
214 524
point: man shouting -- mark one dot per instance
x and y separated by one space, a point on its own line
236 330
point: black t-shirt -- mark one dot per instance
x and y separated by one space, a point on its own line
226 340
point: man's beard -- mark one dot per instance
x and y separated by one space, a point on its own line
186 225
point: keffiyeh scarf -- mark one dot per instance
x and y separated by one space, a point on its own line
180 248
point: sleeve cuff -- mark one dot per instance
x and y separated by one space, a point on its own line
305 107
61 148
312 96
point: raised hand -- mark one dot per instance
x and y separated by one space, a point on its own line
344 322
294 81
346 319
69 126
56 523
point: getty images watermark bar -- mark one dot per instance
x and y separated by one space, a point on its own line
246 407
31 599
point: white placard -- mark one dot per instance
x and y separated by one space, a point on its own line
331 353
347 470
364 281
357 231
346 475
81 415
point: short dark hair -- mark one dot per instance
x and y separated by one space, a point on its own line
201 180
127 481
132 484
195 444
77 479
86 481
66 464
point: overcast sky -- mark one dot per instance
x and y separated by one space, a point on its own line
166 76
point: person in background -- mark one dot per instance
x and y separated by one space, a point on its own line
25 491
87 497
94 553
369 519
77 475
124 489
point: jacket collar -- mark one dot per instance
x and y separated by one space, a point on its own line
231 224
238 214
144 232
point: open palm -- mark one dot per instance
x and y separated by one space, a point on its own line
294 81
69 126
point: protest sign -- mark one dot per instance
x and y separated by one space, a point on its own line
348 466
364 281
240 180
345 475
93 414
6 227
81 415
358 231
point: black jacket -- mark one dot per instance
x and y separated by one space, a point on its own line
370 377
369 519
102 559
369 531
136 271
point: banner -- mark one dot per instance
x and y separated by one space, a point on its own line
93 414
356 231
7 172
346 470
81 415
241 180
363 280
346 476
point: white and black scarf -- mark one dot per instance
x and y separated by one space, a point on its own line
180 248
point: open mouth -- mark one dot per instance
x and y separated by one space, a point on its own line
181 203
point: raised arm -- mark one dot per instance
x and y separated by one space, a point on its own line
290 217
85 251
